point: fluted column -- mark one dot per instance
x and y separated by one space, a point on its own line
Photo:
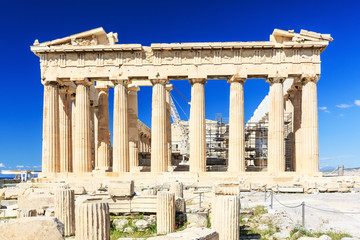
159 157
169 87
65 130
309 125
121 128
51 139
276 146
103 147
236 161
73 122
197 126
290 134
165 212
228 217
133 127
82 161
65 209
297 128
92 221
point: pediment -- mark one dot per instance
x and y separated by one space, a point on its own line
281 36
96 36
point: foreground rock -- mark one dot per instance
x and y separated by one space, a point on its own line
39 228
190 234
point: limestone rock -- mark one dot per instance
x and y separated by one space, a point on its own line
141 225
39 228
190 234
121 188
325 237
128 230
197 219
150 219
180 205
36 201
13 193
120 224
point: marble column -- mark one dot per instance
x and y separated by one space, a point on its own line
121 128
165 212
51 139
197 126
103 147
276 145
73 121
65 130
236 162
290 134
228 217
169 87
159 156
297 128
65 209
82 161
133 127
309 125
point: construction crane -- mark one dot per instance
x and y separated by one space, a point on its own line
184 145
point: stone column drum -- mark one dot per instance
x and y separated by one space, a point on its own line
309 126
276 145
92 221
133 127
104 145
65 130
236 161
228 217
121 128
82 161
65 209
165 212
197 126
159 157
51 140
177 188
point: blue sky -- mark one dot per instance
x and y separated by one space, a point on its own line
147 22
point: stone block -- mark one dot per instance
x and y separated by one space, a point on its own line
121 188
177 188
36 201
180 205
227 189
39 228
13 193
290 190
78 190
190 234
197 219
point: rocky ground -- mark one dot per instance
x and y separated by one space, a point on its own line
324 213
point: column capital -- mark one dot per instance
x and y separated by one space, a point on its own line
310 78
82 81
169 87
197 80
236 78
275 80
121 82
162 81
133 88
64 89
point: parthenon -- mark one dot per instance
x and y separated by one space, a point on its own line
77 72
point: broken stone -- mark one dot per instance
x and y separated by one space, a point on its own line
39 228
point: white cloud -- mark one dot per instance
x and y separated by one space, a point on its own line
342 115
2 165
325 109
343 105
37 166
335 157
357 102
19 166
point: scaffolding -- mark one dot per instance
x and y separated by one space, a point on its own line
256 144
